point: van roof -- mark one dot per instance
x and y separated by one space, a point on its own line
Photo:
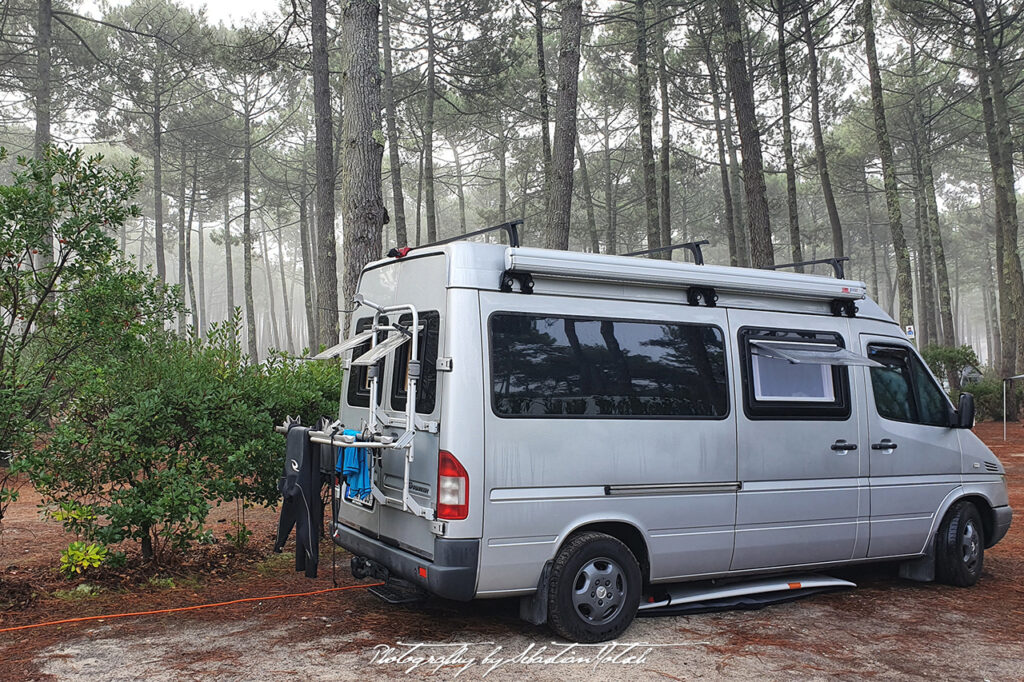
480 266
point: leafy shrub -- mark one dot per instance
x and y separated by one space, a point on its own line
949 362
156 436
988 397
80 557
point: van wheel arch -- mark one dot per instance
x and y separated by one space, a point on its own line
626 533
988 519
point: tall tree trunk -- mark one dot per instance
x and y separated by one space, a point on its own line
559 197
758 219
819 138
991 270
542 82
644 116
229 284
362 204
327 256
1000 142
250 307
43 40
395 160
460 190
664 171
308 285
588 200
938 254
502 174
142 242
284 286
158 190
736 185
795 249
723 166
269 275
610 237
203 322
182 285
428 127
189 275
903 277
419 201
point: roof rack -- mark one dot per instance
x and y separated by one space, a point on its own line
834 261
511 228
692 247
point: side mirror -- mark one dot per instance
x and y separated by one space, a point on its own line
965 412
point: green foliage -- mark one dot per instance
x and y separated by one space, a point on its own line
988 397
83 591
240 538
949 361
80 557
195 427
66 302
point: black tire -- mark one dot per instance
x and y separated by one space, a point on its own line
588 560
960 546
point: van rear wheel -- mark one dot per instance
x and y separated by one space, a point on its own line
960 546
594 588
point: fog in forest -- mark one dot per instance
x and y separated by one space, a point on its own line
779 130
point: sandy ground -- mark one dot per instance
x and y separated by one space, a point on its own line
887 628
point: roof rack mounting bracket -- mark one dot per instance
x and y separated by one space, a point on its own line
694 295
842 307
509 277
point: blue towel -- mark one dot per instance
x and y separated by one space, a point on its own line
354 465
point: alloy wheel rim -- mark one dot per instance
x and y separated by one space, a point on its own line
970 546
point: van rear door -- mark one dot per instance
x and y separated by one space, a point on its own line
418 282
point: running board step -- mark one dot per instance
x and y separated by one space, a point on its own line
396 591
752 594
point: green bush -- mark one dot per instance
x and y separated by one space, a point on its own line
155 437
80 557
988 397
949 362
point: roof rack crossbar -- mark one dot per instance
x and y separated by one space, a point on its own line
692 247
835 262
511 228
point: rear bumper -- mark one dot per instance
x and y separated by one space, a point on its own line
452 573
1001 517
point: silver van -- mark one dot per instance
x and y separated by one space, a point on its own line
578 430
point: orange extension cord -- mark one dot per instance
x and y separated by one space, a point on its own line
187 608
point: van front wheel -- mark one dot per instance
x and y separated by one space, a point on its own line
960 546
594 590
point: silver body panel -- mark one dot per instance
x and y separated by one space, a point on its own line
710 497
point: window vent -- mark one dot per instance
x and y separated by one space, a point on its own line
992 466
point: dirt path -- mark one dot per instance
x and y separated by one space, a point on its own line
887 628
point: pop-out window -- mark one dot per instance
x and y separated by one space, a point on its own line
358 377
791 374
426 386
555 366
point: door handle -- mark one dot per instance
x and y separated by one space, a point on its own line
842 446
886 444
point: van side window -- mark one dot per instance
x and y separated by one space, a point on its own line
358 381
795 388
426 387
550 366
903 389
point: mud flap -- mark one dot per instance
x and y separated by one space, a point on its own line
534 608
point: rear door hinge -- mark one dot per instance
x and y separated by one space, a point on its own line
444 364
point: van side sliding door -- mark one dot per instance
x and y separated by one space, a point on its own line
914 454
801 449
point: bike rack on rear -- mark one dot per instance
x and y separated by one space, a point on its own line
395 335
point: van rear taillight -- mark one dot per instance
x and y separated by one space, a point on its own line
452 488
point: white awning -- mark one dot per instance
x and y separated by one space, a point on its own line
344 346
816 353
